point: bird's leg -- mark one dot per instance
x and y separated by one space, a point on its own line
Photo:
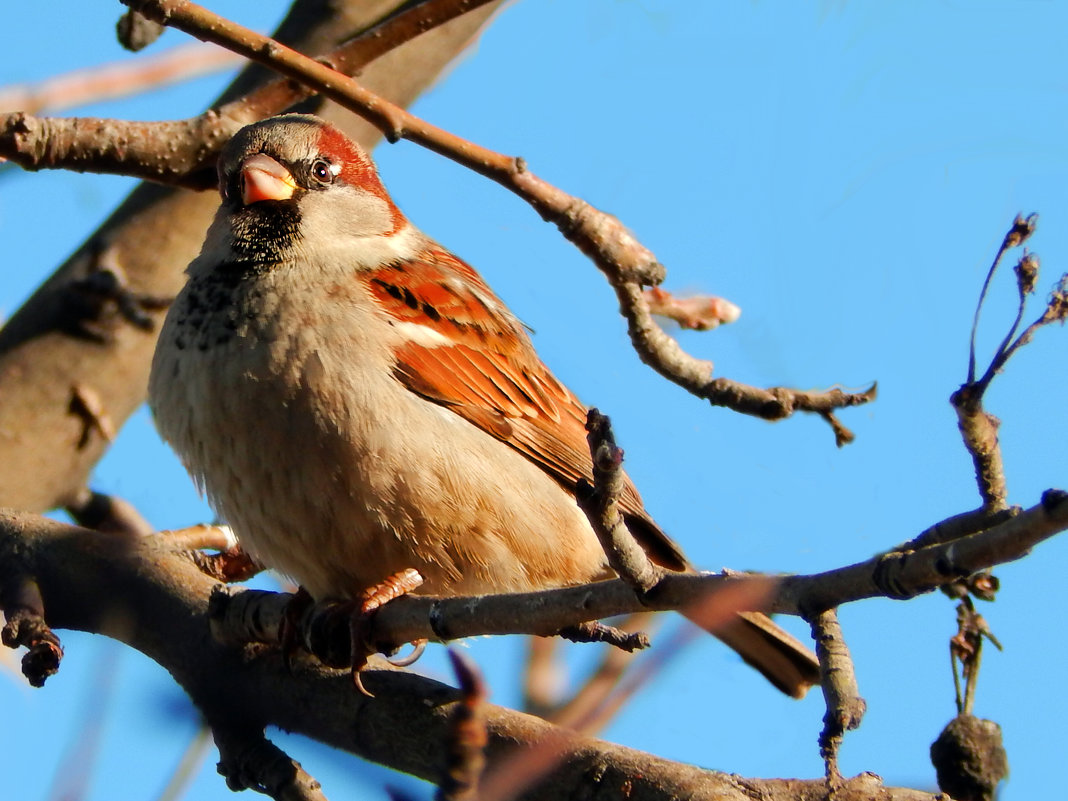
372 598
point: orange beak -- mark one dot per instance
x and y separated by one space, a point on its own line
263 178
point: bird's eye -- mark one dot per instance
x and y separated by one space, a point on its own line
321 171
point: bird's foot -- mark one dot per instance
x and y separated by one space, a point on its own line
373 597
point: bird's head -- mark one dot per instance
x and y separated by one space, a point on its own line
294 177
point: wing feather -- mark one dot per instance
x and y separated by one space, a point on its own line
480 364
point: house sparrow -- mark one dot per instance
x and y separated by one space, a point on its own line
355 400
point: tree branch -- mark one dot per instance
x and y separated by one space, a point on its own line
627 264
600 502
120 79
48 452
254 615
979 428
904 574
845 707
183 152
249 761
85 579
467 740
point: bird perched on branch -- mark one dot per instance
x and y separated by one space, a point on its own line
356 401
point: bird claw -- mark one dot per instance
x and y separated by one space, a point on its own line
359 628
418 647
374 597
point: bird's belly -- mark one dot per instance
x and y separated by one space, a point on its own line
340 477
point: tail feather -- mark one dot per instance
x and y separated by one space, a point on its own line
777 654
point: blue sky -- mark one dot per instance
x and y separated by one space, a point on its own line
843 172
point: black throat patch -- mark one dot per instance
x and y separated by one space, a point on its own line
265 232
217 306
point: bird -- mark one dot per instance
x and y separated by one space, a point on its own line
357 402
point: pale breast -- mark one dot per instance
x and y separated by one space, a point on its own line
284 408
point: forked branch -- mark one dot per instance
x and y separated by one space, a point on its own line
979 428
627 264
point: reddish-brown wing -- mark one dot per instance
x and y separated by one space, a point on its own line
479 362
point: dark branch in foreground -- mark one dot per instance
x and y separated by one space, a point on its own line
23 607
467 741
141 592
249 761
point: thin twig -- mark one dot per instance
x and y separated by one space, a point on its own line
200 537
845 707
249 761
593 631
109 514
1021 229
1026 272
842 435
24 613
600 502
119 79
578 712
599 235
966 646
1056 311
979 428
183 152
627 264
697 313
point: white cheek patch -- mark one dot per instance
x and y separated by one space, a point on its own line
361 251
